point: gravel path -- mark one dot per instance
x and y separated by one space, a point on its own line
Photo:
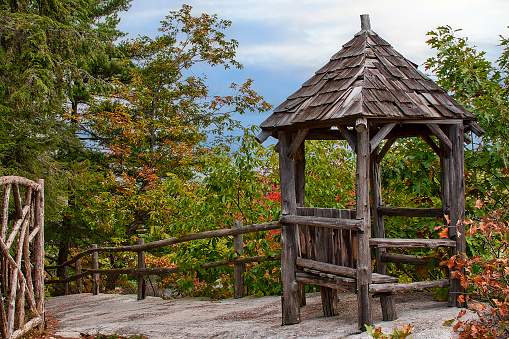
249 317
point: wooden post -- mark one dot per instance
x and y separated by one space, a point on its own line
324 253
79 284
289 286
299 161
39 252
386 301
141 279
457 207
363 251
95 276
66 284
239 269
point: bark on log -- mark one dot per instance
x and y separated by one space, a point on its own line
411 243
328 268
404 259
411 212
15 180
95 266
289 286
415 286
79 282
239 269
141 278
165 270
325 282
39 252
362 204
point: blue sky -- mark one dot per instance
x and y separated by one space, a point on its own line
283 42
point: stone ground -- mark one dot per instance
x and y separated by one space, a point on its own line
249 317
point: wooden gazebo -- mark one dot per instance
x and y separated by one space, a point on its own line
366 93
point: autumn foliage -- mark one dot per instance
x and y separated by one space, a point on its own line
486 277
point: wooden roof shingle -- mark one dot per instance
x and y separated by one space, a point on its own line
366 78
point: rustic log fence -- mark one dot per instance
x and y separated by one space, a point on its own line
239 263
21 256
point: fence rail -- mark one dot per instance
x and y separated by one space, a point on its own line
239 263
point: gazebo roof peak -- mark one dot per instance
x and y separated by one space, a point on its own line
366 78
365 23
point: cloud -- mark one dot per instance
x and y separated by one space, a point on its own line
282 42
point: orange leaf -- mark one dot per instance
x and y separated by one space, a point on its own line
443 233
479 203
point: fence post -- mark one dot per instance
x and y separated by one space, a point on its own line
141 279
239 269
95 276
66 284
79 286
39 253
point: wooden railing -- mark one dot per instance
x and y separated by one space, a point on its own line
21 256
239 263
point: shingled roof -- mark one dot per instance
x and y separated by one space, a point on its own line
366 78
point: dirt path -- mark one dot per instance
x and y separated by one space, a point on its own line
249 317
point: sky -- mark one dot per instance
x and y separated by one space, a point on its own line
283 42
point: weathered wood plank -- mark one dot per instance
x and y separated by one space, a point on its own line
324 254
299 161
415 286
326 267
333 223
410 212
387 302
411 243
403 259
325 282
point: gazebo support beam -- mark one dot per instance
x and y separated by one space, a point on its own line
437 131
362 197
299 162
289 286
349 137
297 141
457 208
382 133
385 149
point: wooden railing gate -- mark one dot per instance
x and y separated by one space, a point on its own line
21 256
